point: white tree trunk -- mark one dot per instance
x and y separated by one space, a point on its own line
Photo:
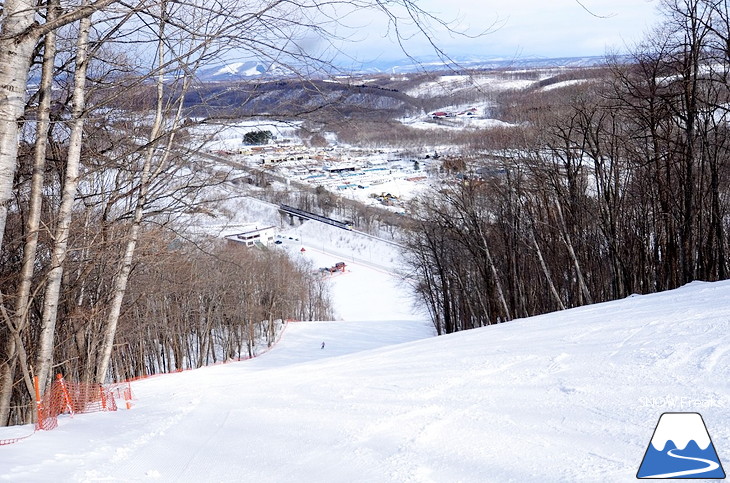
13 346
70 185
495 275
571 251
19 34
16 49
545 270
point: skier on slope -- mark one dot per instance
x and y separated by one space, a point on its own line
322 346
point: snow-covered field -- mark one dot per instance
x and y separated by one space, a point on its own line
569 396
447 84
455 123
230 136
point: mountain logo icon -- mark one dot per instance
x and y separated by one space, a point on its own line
681 448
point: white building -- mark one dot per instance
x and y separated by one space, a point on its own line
262 236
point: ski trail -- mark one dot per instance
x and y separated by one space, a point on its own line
711 466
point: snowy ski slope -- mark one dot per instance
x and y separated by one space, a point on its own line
570 396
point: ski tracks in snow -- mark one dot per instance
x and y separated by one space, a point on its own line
131 456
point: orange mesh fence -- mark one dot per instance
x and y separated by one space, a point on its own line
122 390
78 398
74 398
13 440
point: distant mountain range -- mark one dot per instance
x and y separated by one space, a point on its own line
241 70
255 69
477 63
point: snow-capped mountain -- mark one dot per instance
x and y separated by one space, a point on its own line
245 69
241 70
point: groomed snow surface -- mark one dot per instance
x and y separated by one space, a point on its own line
568 396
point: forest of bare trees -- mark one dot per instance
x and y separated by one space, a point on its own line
608 188
188 308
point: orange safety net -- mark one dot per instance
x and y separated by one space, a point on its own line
122 390
74 398
14 440
78 398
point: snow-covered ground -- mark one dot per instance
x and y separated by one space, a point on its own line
230 136
369 289
454 123
563 84
447 84
569 396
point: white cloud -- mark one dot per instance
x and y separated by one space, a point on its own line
526 28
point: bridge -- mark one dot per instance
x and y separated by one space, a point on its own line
290 210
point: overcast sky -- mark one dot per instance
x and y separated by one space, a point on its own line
520 28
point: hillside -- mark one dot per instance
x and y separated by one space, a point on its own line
299 99
367 97
567 396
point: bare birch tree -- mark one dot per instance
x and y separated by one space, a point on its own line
20 31
70 183
18 323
